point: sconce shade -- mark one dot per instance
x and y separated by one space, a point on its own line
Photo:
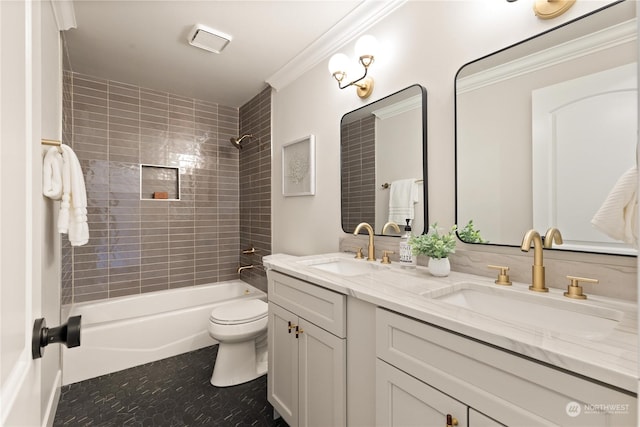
366 46
340 67
338 63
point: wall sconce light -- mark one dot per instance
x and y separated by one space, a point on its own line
339 66
549 9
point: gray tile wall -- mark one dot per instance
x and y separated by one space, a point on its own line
148 245
357 151
255 186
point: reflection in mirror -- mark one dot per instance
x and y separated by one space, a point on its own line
546 131
383 162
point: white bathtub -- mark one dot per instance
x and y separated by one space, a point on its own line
120 333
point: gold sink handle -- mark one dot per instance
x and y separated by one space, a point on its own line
359 254
503 276
385 257
574 290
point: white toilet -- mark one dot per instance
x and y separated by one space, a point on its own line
241 329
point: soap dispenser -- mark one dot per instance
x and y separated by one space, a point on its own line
407 258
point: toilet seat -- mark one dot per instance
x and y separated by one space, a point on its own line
239 312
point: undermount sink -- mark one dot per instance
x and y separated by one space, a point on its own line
541 312
345 267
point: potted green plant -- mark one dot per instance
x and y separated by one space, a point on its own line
437 246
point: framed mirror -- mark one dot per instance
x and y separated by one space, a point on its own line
546 129
382 144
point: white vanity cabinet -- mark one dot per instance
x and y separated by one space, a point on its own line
307 352
424 373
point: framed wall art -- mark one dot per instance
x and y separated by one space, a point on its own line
299 167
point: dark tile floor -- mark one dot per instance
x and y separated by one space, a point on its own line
170 392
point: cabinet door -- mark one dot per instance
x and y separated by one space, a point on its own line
403 401
282 379
322 371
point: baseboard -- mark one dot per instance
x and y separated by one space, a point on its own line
52 404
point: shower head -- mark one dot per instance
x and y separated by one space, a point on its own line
237 142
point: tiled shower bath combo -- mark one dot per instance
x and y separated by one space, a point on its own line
139 246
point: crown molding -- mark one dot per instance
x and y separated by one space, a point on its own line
399 107
582 46
347 29
64 13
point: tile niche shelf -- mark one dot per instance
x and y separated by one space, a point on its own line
159 182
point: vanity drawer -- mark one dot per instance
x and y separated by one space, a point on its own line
320 306
507 387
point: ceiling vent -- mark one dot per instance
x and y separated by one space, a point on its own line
208 39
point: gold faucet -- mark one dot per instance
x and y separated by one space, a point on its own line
552 235
371 254
392 225
537 270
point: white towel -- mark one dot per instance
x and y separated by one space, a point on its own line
77 219
52 174
618 215
402 198
63 180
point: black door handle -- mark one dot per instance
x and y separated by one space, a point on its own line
68 333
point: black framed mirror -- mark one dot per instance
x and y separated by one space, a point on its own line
544 130
383 143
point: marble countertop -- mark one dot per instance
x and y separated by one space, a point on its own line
611 358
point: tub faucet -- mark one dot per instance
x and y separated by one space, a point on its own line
244 267
537 270
371 254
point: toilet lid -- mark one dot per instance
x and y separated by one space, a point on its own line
239 312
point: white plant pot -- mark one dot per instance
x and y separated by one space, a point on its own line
439 267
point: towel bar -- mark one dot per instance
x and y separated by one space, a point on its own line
386 185
52 142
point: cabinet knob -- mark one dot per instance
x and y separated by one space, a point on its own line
292 326
451 421
298 331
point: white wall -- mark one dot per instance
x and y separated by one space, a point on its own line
424 42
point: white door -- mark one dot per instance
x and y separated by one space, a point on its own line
595 115
29 388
